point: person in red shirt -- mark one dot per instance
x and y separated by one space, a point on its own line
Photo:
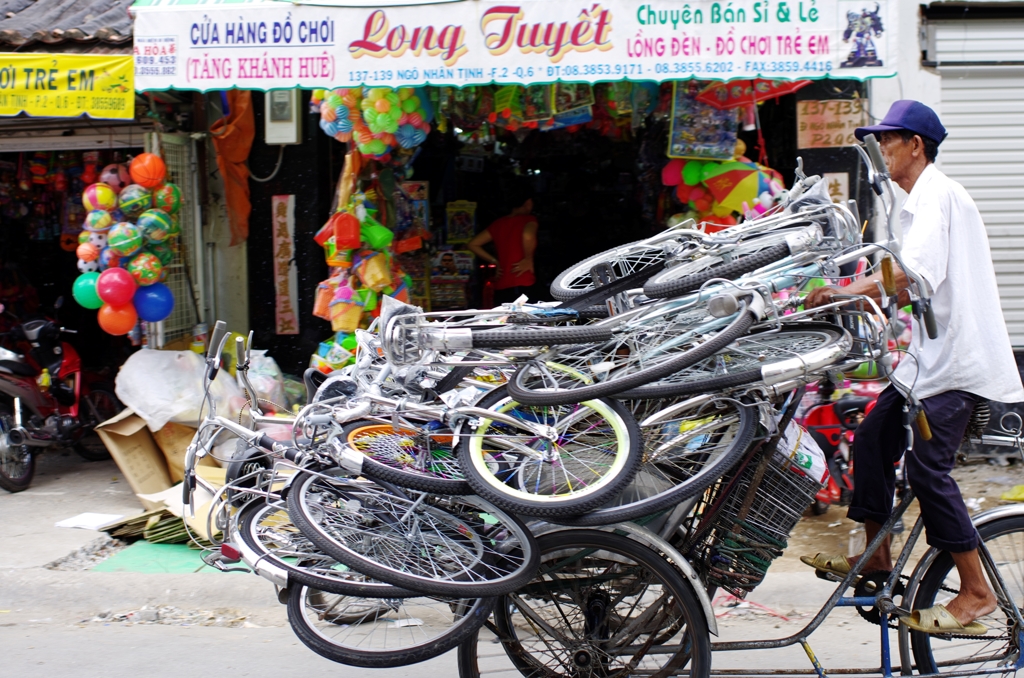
515 239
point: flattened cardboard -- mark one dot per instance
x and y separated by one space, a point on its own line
173 440
136 454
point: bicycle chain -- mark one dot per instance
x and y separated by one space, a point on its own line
872 616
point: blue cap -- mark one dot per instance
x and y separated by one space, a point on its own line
909 115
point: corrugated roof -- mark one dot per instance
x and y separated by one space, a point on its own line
24 23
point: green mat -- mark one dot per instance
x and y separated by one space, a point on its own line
155 559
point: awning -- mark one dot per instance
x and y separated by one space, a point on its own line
267 44
67 85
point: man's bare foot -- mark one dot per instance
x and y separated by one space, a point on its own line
970 605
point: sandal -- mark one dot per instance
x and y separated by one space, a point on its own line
833 564
938 620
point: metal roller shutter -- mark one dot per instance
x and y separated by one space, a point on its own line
983 109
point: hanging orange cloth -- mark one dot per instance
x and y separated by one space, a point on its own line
232 137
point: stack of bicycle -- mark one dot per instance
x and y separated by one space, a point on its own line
572 476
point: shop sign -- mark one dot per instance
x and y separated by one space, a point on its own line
67 85
205 45
286 279
829 124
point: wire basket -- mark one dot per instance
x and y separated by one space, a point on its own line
745 521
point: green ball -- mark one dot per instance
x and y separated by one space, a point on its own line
409 105
167 198
692 172
709 170
124 239
134 200
155 225
84 291
350 343
163 252
145 268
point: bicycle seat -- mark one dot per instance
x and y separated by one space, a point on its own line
848 407
19 369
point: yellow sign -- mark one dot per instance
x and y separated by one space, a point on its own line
67 85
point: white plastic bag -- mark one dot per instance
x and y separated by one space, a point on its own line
797 444
163 386
266 378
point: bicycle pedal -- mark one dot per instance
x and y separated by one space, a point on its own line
828 576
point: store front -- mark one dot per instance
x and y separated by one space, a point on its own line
452 108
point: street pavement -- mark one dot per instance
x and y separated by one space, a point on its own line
49 626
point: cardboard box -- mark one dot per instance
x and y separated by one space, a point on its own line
136 453
173 440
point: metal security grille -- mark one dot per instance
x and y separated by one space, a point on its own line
178 153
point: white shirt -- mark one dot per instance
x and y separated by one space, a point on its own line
944 241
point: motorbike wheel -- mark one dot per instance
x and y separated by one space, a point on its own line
96 407
820 508
17 463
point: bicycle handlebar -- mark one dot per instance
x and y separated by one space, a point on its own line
875 153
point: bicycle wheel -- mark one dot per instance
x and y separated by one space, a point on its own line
420 460
96 406
683 455
1000 646
745 360
678 280
271 537
601 605
437 545
594 452
17 462
624 260
377 634
647 353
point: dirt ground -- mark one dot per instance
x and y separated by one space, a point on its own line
981 484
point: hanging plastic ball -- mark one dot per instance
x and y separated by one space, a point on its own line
153 302
163 252
98 220
117 320
109 259
124 239
145 268
88 252
134 200
99 197
84 291
116 176
88 266
155 225
83 237
98 239
167 198
116 286
148 170
382 105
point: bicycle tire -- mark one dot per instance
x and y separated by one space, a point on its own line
351 632
932 653
257 518
389 461
738 359
567 396
540 336
603 588
370 540
576 281
578 455
684 470
657 289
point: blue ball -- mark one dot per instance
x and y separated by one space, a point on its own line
153 302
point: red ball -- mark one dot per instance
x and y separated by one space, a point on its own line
116 286
117 320
148 170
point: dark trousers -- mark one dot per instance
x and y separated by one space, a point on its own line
878 444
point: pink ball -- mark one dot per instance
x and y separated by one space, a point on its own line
116 286
116 176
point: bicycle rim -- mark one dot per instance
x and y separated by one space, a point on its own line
441 545
1001 645
601 604
382 633
594 455
625 260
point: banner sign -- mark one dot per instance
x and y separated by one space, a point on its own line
829 124
269 45
286 279
67 85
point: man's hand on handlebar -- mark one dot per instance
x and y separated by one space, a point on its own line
820 296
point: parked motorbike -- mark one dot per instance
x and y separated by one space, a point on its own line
44 400
832 424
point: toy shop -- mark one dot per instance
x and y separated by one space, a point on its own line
387 144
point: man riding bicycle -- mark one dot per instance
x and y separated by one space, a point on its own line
944 240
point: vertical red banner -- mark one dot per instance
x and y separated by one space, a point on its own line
285 274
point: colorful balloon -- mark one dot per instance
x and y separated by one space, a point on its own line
116 286
98 220
117 320
153 302
134 200
671 173
145 268
99 197
124 239
155 225
692 172
116 176
148 170
167 198
84 291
